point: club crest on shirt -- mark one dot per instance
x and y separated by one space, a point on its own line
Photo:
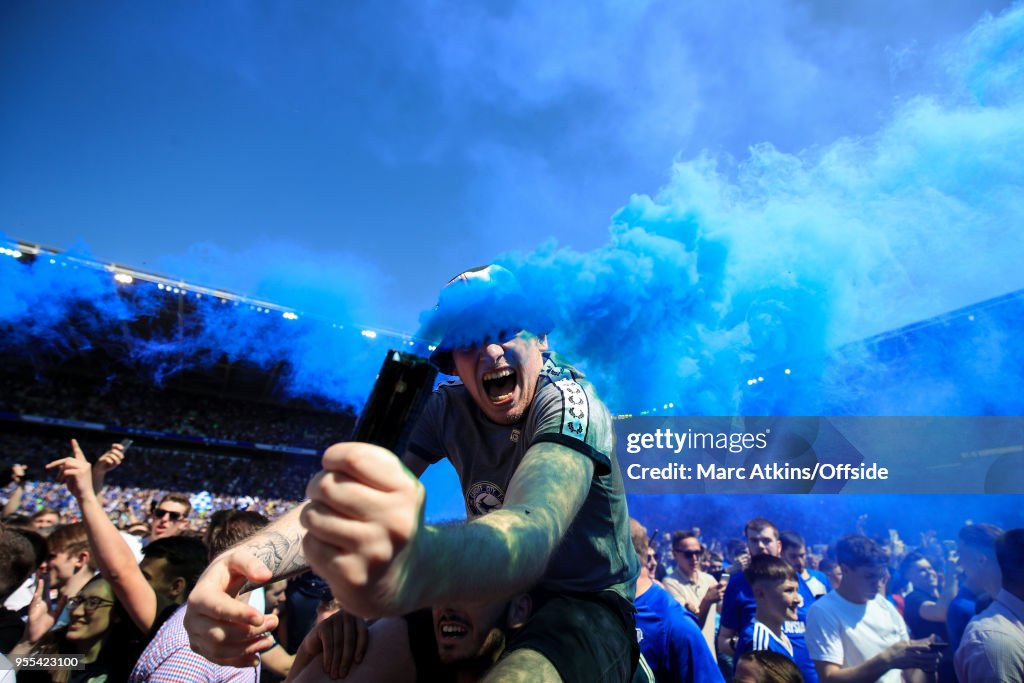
484 497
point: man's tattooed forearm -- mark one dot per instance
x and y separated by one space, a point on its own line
281 553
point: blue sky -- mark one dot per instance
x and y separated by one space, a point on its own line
405 141
708 189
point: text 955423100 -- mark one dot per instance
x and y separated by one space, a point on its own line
48 662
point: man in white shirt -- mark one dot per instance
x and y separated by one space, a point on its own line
693 589
854 634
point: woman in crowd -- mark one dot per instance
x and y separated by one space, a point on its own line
99 630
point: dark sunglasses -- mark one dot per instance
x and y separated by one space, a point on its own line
92 603
160 513
688 553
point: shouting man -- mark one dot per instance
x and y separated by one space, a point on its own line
534 450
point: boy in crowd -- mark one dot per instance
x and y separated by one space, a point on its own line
776 591
739 605
70 561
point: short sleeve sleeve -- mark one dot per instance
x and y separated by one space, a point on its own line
567 413
824 640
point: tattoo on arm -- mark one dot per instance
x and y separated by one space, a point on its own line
282 553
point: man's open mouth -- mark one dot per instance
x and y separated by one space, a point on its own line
499 384
452 630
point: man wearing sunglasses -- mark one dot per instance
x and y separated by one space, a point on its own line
169 517
695 590
534 450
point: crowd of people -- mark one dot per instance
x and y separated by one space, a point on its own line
866 609
548 579
710 607
270 480
139 405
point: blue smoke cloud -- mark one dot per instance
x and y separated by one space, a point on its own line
736 269
779 260
57 306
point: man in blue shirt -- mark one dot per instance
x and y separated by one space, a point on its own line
813 584
739 606
670 640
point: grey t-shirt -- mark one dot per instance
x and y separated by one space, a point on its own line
596 553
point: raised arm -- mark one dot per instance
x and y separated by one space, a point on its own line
114 558
712 597
937 610
14 501
544 496
106 462
367 537
225 630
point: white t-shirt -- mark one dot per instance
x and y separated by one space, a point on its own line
816 587
22 595
135 543
846 633
258 599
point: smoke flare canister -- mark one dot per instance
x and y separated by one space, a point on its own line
403 385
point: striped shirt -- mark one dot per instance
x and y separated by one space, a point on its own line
757 636
169 659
